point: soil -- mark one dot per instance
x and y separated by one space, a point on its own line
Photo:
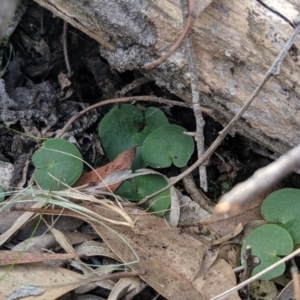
36 105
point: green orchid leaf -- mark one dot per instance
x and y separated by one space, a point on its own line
166 145
125 126
282 207
59 158
139 187
268 243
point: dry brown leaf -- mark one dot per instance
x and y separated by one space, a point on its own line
13 221
121 162
230 235
8 257
230 252
87 270
288 292
209 258
47 241
93 248
170 259
62 240
220 276
225 226
124 286
17 223
53 282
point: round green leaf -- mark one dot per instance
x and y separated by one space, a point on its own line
283 207
268 243
166 145
59 158
125 126
139 187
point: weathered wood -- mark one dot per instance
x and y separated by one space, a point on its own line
235 43
6 12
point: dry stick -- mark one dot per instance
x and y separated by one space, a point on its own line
295 276
259 183
65 44
258 275
196 194
129 99
190 20
273 70
132 85
199 135
251 262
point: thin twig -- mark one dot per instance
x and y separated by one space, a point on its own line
251 262
196 194
188 25
199 135
273 70
260 182
129 99
137 82
65 44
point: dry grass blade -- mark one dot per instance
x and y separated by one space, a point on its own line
63 199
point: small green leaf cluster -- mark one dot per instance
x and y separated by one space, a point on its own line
145 185
159 145
271 241
59 164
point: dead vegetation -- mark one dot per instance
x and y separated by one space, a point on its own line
85 241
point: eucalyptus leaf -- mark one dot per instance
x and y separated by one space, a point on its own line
283 207
166 145
268 243
59 158
125 126
139 187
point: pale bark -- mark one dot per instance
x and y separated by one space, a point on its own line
6 12
235 43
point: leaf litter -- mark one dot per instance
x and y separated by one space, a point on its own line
148 243
147 233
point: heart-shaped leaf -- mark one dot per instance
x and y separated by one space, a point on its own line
139 187
125 126
282 207
268 243
166 145
59 158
